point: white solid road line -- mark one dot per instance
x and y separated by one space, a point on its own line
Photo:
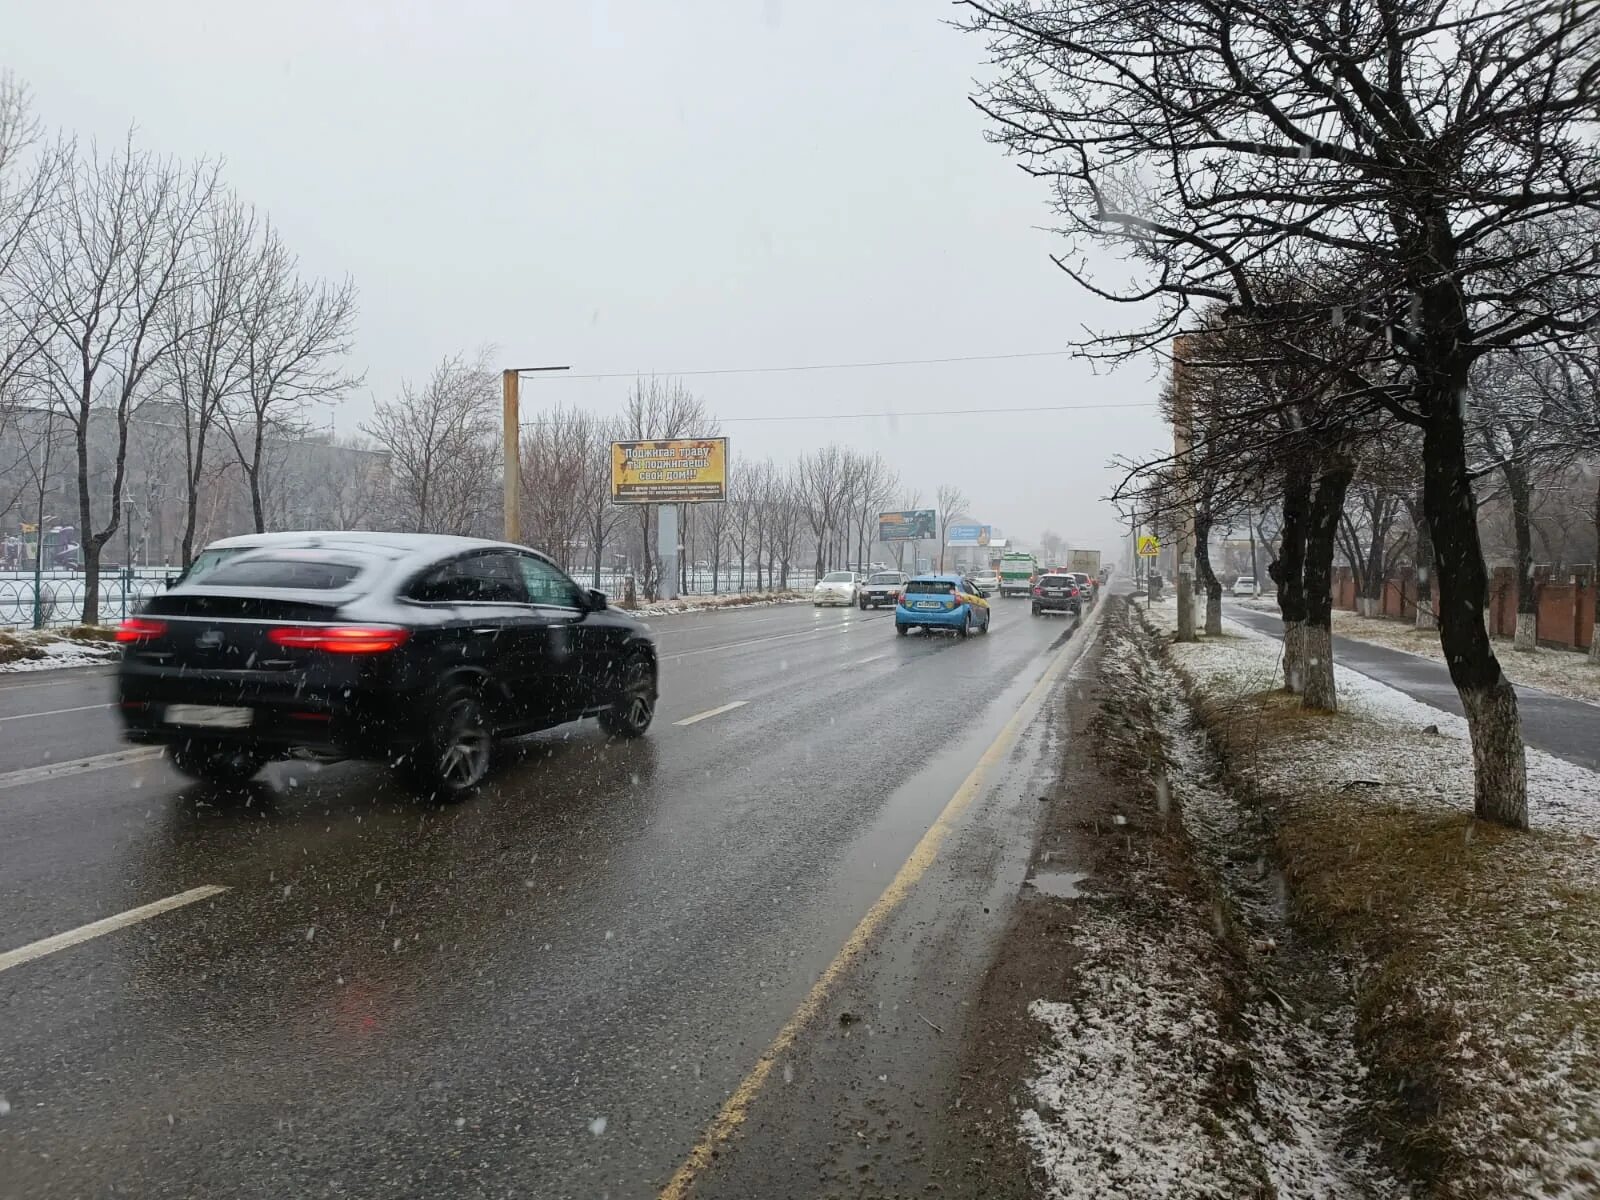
871 658
23 687
83 933
54 712
712 712
77 766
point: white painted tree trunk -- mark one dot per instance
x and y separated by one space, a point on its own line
1293 663
1426 617
1317 663
1500 777
1527 638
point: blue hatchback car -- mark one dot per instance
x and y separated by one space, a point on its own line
941 602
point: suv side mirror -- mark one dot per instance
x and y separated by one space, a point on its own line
597 599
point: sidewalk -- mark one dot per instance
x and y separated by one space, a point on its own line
1568 729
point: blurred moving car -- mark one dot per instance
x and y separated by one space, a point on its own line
882 588
414 649
988 581
1245 585
220 551
1088 586
837 587
1057 592
942 602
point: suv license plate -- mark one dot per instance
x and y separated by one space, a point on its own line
208 715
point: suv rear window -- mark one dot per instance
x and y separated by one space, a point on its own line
890 577
1058 581
307 570
930 587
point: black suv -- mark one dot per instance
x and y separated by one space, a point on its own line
412 649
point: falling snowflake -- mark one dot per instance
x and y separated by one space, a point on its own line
597 1126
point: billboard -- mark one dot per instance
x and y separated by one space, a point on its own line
967 535
906 526
675 471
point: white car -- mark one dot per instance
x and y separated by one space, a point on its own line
986 581
1245 585
837 587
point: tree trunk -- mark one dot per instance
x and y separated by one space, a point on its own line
1208 577
91 552
1526 639
1288 572
1426 617
1594 580
1317 636
1500 785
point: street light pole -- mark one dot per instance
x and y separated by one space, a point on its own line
510 401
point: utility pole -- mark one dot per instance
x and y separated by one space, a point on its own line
511 418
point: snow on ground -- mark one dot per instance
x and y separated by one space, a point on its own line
1169 1073
45 650
1450 924
685 604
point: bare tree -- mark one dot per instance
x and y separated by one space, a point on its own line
441 440
102 268
296 335
1442 156
952 501
207 366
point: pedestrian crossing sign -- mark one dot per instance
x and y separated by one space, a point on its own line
1149 545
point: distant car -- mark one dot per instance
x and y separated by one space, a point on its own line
837 587
411 649
881 589
1245 585
1057 592
941 602
1088 585
987 581
702 565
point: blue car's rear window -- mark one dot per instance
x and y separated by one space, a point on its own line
930 587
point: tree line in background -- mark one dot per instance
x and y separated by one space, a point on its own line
166 367
1367 235
130 280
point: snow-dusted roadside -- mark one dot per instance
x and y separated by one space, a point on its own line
48 649
687 604
1185 1061
1474 951
1564 672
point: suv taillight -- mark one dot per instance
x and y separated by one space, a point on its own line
140 629
339 639
1038 591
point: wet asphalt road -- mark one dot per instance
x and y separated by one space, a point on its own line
1566 728
549 990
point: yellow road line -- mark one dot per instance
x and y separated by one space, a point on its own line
737 1107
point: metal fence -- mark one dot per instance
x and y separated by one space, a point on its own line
61 593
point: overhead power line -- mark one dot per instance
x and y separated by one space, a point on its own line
924 412
842 366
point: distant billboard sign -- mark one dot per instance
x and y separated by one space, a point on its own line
671 471
967 535
908 526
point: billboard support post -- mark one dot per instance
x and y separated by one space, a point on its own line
511 435
667 545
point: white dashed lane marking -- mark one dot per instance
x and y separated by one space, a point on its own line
84 933
712 712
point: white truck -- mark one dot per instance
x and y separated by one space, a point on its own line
1087 561
1017 569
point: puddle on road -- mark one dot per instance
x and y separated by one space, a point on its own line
1061 884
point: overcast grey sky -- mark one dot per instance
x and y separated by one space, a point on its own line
645 186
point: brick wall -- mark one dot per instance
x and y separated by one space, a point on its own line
1566 602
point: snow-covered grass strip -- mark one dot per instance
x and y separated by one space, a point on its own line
1474 951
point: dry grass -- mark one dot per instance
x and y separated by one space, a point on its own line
18 647
1476 954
